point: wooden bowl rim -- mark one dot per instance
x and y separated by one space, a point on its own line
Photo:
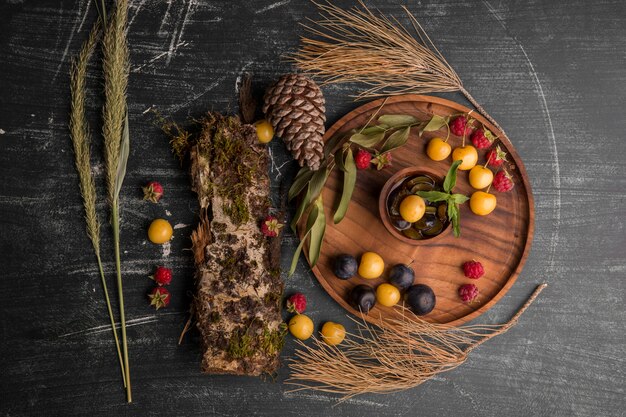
382 205
518 162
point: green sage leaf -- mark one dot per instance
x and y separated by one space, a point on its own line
397 120
318 229
367 141
332 143
296 255
435 123
434 196
396 139
450 180
317 183
451 211
302 206
459 198
339 159
349 182
301 181
310 222
374 129
123 159
456 220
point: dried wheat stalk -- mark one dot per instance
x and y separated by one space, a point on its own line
401 354
116 66
357 45
81 140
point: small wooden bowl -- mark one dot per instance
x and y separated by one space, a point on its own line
391 184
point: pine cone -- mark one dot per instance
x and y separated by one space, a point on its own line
294 105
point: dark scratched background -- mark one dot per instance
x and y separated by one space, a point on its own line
553 73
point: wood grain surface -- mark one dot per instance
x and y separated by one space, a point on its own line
551 72
500 241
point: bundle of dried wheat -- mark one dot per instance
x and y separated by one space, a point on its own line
357 45
401 354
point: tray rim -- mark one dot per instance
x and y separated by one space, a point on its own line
379 321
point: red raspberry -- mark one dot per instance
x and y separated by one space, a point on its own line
502 181
496 157
162 275
363 159
468 292
159 297
296 303
473 269
383 160
153 192
271 226
460 126
482 138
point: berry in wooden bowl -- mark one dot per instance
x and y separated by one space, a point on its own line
407 216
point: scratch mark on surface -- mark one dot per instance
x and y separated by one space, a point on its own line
82 22
272 6
196 97
136 12
557 170
148 109
273 166
69 41
129 323
326 399
165 16
167 249
161 55
181 226
191 5
178 30
2 132
240 76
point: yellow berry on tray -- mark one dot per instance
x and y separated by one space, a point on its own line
438 149
412 208
467 154
387 295
160 231
333 333
482 203
480 177
301 326
264 131
371 266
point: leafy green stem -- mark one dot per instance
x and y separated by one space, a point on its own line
115 223
110 310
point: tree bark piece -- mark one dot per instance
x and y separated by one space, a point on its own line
239 289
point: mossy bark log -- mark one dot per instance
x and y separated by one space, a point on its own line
237 305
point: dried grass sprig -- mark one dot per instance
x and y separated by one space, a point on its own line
357 45
116 68
403 353
81 140
116 139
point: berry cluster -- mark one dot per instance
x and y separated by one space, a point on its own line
364 158
472 270
160 296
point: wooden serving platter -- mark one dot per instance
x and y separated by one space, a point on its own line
500 241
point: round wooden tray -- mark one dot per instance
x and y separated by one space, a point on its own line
500 241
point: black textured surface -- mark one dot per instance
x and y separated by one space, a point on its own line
551 72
